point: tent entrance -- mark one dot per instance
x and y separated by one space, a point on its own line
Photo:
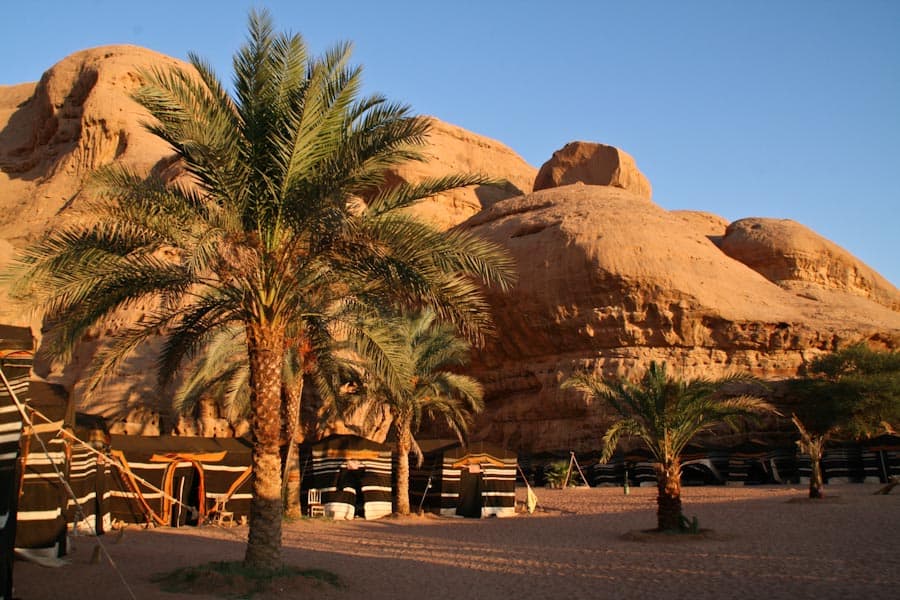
186 490
471 485
353 476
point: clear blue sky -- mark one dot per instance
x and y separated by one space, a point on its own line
772 108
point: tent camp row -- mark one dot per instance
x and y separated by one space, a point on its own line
354 478
61 469
874 460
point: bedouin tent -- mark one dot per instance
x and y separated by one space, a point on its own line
478 480
353 475
90 476
191 477
881 457
16 357
843 463
43 495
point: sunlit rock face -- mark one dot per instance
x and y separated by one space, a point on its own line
80 117
593 164
609 281
450 149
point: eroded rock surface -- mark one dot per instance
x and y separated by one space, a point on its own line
609 282
451 149
797 258
593 164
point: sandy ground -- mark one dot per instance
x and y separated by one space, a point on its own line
763 546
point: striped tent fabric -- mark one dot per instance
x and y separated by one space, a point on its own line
746 464
881 456
783 464
15 360
843 464
43 498
89 474
641 467
172 480
610 473
703 466
352 473
478 480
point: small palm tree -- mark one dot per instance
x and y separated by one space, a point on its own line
433 392
666 413
267 218
851 393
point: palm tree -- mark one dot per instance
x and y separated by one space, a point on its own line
267 218
851 393
666 413
222 374
432 348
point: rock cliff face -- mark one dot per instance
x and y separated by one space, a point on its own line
53 134
610 281
451 149
80 117
797 258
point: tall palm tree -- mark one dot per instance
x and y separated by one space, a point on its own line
666 413
268 216
433 391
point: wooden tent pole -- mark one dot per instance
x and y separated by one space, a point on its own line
580 472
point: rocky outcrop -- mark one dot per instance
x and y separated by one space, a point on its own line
609 282
80 117
708 224
797 258
593 164
450 150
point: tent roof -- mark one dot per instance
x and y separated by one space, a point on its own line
15 338
884 441
178 444
454 449
339 441
52 400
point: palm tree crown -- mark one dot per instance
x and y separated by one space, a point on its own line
265 226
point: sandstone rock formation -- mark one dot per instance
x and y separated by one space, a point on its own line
797 258
53 134
593 164
609 282
452 149
79 117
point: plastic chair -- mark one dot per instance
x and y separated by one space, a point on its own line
314 505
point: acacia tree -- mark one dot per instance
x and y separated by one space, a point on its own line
853 392
267 215
433 391
665 413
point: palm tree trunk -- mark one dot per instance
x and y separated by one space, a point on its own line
813 445
265 347
293 436
668 500
404 445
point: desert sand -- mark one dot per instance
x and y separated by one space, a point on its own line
766 542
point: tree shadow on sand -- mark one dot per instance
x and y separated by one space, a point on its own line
235 580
